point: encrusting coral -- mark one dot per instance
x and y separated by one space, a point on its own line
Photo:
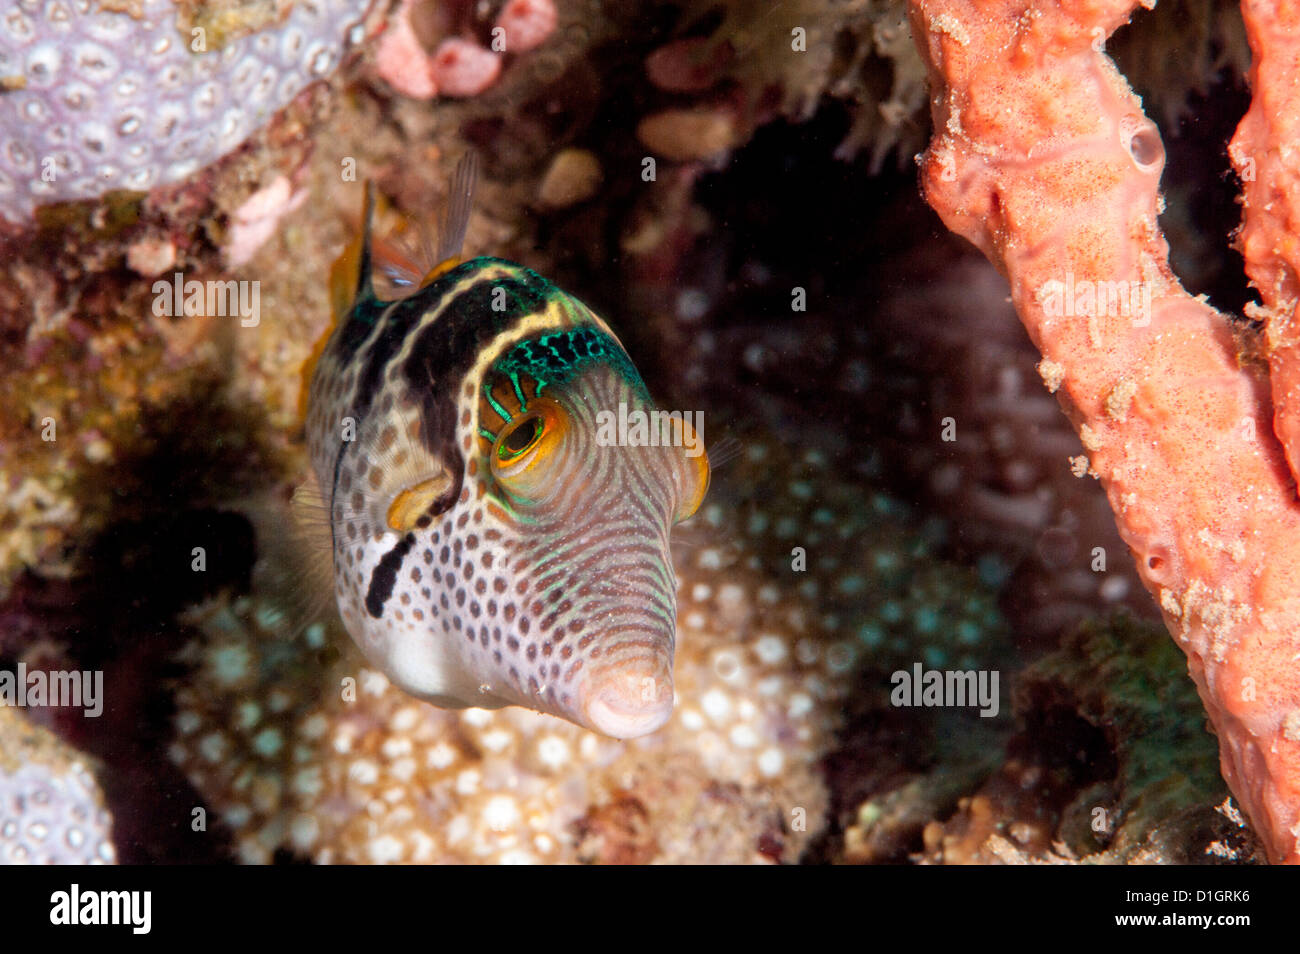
421 56
762 61
1043 158
51 807
100 98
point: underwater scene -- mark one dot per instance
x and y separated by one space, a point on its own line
853 432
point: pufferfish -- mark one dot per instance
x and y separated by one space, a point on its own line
488 548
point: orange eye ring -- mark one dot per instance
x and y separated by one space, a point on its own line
521 452
519 438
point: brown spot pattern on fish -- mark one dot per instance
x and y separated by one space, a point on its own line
489 549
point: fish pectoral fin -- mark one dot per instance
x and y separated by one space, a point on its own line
295 553
311 516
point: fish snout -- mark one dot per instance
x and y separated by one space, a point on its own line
631 693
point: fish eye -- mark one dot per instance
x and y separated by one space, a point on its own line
520 438
523 458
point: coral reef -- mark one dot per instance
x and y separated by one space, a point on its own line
525 24
1111 764
401 61
51 807
843 538
98 99
255 221
291 760
917 342
1211 43
1044 160
783 60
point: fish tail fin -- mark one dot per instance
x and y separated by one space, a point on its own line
417 255
460 199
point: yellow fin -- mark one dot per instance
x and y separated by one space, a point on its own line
343 278
349 279
309 368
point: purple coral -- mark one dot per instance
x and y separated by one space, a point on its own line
51 807
93 100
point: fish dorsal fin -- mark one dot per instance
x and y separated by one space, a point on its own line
365 286
349 281
455 218
350 274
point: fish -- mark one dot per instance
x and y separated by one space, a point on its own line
491 546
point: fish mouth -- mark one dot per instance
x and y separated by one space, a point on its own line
629 698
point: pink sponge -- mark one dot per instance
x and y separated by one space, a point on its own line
463 68
401 60
527 24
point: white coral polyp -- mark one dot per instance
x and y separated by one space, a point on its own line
53 816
